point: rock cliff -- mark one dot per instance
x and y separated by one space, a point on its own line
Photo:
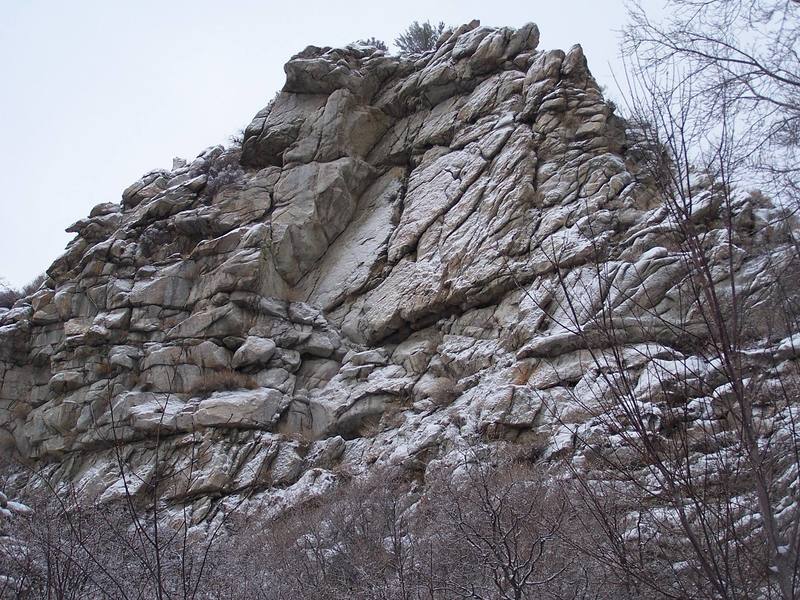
404 255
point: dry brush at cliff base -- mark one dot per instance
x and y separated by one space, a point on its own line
457 274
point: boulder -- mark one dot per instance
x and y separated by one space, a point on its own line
259 409
254 352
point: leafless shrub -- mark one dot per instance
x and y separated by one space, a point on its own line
74 549
9 295
351 544
223 380
489 530
225 171
502 529
237 139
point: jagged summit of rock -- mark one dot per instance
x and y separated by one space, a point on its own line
374 277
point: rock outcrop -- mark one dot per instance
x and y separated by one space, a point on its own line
405 253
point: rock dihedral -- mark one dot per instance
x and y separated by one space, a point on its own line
376 275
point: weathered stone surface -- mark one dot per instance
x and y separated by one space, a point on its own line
407 255
245 409
313 205
254 352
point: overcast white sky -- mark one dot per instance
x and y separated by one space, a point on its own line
95 93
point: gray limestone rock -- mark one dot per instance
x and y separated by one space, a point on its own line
254 352
407 256
240 409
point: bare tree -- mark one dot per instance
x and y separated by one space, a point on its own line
498 528
736 58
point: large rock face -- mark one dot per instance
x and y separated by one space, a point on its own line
378 274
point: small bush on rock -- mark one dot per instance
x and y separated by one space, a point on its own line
226 170
419 37
225 380
237 139
373 41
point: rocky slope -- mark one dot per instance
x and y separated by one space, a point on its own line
403 256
